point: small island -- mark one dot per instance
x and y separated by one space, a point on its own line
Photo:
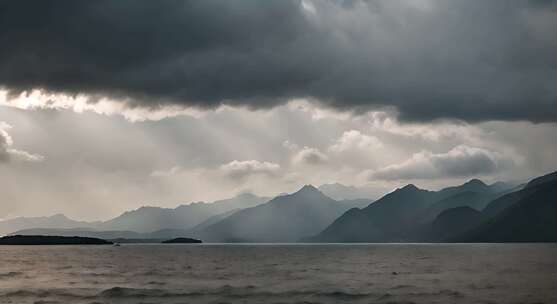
182 240
50 240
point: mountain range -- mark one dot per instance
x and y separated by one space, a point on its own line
471 212
531 219
401 215
57 221
142 220
148 219
339 191
286 218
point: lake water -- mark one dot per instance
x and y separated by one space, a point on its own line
393 273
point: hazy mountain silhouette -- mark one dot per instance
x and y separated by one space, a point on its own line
142 220
340 192
474 194
285 218
406 213
533 218
468 199
473 185
399 209
356 203
55 221
384 220
453 222
147 219
213 220
461 224
353 226
498 205
503 187
155 235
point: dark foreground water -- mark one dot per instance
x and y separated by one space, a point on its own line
525 273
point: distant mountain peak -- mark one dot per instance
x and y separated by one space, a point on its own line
475 182
410 187
282 219
308 188
308 191
59 216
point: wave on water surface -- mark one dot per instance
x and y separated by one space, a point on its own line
280 274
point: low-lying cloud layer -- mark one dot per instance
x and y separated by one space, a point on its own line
472 60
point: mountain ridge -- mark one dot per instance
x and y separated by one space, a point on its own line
472 211
284 218
404 214
144 219
533 218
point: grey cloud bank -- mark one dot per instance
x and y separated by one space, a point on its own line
470 60
8 153
461 161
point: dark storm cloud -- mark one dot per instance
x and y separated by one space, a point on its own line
473 60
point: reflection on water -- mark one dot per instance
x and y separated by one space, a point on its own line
395 273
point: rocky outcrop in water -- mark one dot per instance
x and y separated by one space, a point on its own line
182 240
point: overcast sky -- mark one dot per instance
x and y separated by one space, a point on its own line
107 106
